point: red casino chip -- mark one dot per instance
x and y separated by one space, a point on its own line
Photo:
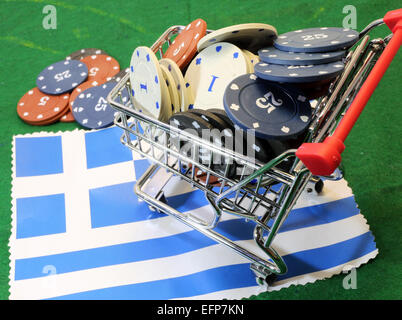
184 47
212 179
68 117
101 67
37 108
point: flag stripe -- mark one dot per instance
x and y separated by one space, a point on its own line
149 229
338 209
239 293
313 215
241 276
311 260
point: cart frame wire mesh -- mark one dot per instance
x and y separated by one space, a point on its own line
261 193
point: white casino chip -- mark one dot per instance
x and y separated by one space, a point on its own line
166 110
146 78
185 95
172 88
252 59
211 71
250 36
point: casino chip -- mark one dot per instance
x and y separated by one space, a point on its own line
314 90
315 93
80 54
167 107
101 67
272 110
227 133
232 140
252 60
184 47
62 77
196 125
91 109
172 87
123 97
222 115
265 149
298 74
118 76
250 66
210 117
68 117
203 177
82 87
37 108
184 91
146 80
190 120
252 145
274 55
210 72
193 124
250 36
317 40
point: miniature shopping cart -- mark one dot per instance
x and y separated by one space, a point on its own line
262 192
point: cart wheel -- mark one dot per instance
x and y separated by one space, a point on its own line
260 281
319 186
267 281
270 279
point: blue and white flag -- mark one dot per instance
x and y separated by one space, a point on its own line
80 232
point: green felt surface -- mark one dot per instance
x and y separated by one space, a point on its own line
373 150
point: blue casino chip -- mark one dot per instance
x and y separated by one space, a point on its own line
298 74
274 55
62 76
317 40
91 109
272 110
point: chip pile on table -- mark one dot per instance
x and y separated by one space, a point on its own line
240 78
74 89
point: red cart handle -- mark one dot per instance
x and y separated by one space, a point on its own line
323 158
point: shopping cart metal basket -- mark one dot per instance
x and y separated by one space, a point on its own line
263 193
